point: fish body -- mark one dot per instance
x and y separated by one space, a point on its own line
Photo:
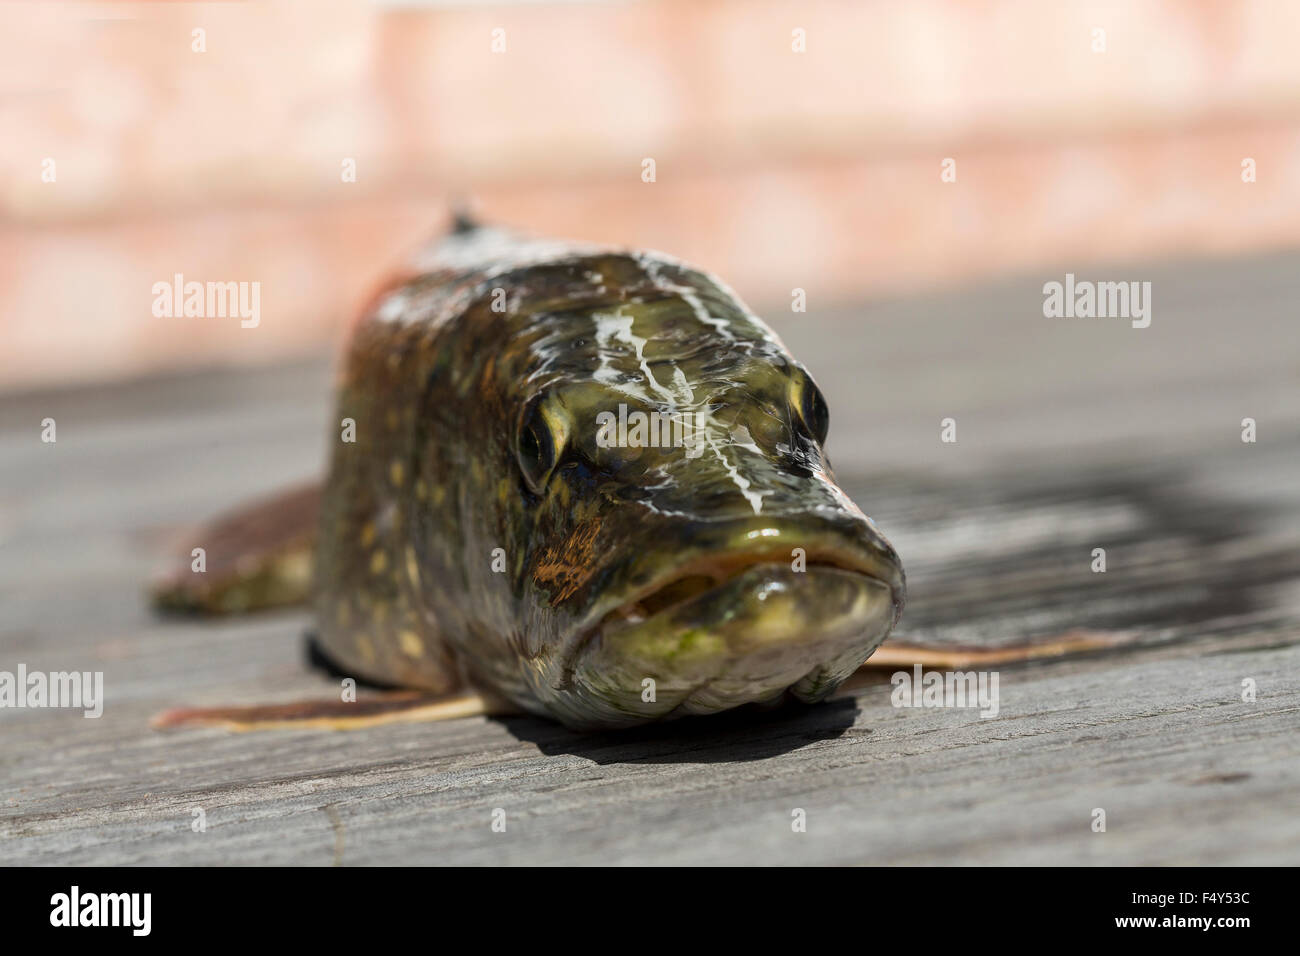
590 482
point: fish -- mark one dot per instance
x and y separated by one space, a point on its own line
578 481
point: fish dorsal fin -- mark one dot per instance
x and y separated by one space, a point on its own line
463 220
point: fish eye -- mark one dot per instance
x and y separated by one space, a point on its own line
812 409
539 442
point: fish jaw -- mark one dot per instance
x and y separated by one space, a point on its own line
715 615
767 632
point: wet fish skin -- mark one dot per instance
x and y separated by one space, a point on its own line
478 532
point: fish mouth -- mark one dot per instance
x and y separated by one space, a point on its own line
694 581
712 572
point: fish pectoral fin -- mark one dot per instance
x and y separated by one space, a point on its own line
893 653
257 556
397 707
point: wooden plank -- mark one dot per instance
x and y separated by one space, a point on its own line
996 533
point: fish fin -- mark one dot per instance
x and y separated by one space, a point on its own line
257 556
397 707
463 218
893 654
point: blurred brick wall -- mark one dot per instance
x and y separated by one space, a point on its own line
778 169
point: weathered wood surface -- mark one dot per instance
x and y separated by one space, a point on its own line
1072 435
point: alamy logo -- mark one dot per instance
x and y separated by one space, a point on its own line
951 689
208 300
1102 300
638 429
102 909
84 689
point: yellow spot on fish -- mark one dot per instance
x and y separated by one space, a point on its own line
391 418
412 646
365 648
412 566
397 473
294 570
421 489
378 562
367 534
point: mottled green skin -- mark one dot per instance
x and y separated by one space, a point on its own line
455 406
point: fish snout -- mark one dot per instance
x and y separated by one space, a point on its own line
696 556
745 612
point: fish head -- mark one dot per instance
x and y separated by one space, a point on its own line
687 549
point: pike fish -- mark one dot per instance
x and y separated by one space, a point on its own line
577 481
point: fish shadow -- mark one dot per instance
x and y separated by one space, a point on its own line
737 736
